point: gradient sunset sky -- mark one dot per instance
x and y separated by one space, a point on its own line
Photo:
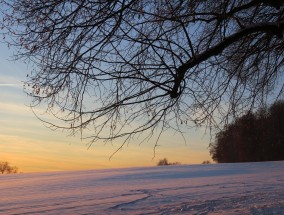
25 142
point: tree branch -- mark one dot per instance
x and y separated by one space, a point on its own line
268 27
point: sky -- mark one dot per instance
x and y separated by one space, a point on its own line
27 143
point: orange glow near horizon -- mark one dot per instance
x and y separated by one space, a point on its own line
42 156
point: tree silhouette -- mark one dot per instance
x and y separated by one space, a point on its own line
253 137
122 68
165 162
6 168
206 162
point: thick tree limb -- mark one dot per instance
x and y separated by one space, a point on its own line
274 28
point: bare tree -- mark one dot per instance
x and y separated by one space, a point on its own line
6 168
126 67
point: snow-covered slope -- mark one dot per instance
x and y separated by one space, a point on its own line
247 188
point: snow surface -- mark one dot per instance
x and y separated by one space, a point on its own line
247 188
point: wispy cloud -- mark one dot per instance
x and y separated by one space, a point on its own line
10 81
14 108
9 85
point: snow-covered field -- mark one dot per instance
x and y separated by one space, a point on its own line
248 188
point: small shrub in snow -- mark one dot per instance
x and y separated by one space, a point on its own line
206 162
164 162
6 168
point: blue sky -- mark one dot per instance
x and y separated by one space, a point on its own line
28 144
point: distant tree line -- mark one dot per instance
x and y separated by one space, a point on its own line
6 168
253 137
